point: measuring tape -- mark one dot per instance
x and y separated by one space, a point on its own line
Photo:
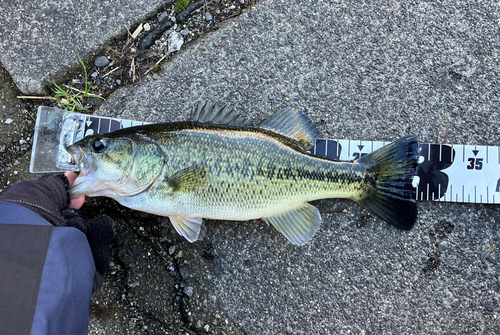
451 173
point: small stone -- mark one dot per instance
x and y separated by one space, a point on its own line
189 291
242 2
231 7
101 61
185 32
147 27
179 254
15 172
22 142
119 82
208 16
171 250
184 273
207 328
173 19
9 121
175 42
111 264
163 16
134 284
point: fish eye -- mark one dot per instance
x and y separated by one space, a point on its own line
98 144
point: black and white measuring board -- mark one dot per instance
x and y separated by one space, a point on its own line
451 173
446 172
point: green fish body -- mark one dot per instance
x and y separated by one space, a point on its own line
218 166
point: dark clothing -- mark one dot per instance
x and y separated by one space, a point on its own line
46 273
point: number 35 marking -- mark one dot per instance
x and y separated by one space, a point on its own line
475 164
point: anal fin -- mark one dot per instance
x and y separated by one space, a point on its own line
298 225
191 228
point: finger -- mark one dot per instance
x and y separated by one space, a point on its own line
77 203
71 177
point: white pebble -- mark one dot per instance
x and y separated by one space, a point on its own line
147 27
9 121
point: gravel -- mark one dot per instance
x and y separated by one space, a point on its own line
101 61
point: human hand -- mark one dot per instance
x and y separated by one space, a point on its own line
78 202
49 198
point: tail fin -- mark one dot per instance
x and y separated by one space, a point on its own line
388 182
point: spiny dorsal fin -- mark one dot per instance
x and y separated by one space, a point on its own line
298 225
213 113
294 124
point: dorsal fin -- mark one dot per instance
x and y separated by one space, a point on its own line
213 113
294 124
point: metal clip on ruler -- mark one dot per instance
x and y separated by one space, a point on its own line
452 173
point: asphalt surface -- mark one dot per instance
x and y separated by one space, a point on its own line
373 71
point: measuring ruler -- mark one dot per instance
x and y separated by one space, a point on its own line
451 173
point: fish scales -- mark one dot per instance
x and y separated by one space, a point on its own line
219 166
249 175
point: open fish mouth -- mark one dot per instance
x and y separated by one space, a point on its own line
79 157
84 184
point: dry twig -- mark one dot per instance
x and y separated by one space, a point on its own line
34 97
158 62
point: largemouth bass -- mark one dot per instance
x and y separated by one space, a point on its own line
219 166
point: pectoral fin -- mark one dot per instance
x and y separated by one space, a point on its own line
191 228
298 225
189 179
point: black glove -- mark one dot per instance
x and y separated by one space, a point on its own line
99 232
48 197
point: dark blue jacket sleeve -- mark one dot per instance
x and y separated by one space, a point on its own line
46 275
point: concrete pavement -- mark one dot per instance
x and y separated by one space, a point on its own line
363 70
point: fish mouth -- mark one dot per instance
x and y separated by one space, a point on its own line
79 157
83 184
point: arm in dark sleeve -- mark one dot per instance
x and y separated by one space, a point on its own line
46 272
